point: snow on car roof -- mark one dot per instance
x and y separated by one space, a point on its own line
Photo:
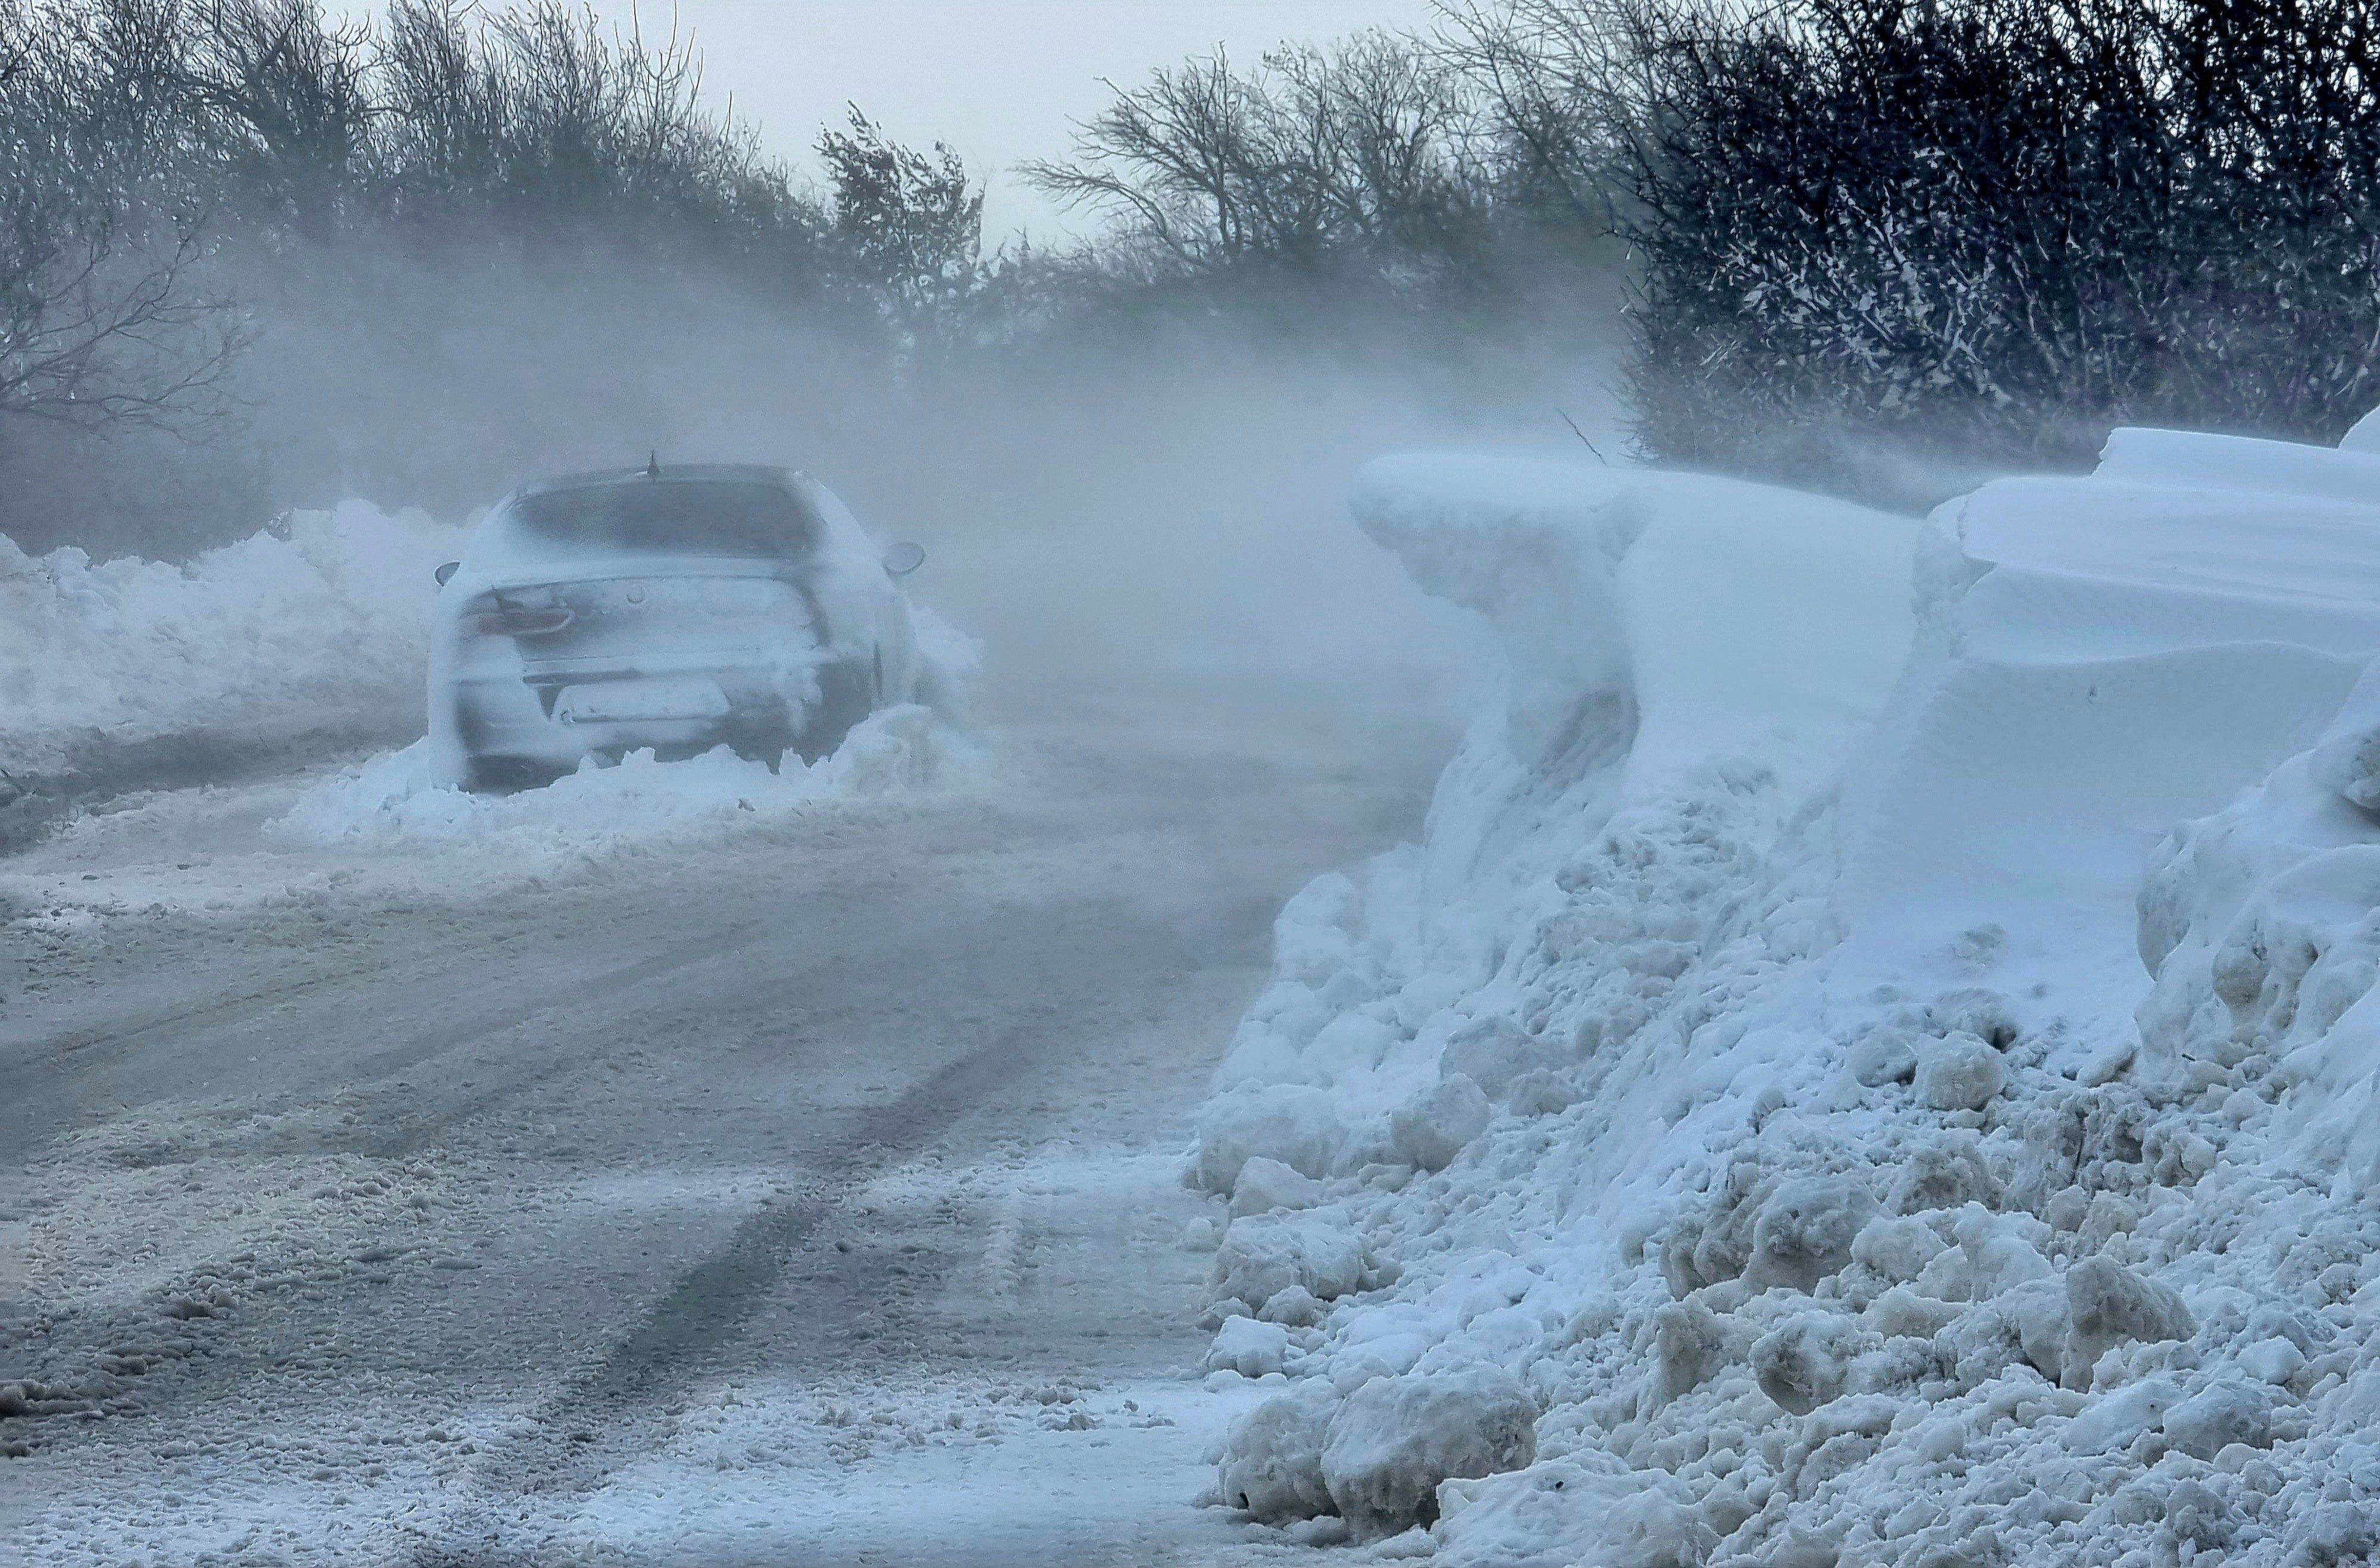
739 473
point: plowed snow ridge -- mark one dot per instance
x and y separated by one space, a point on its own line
1881 1087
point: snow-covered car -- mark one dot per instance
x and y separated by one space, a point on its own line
672 607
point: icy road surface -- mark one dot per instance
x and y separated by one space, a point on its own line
802 1191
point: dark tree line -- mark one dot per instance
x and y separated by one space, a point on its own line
1977 233
1880 246
1871 245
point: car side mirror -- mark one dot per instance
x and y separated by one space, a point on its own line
445 570
903 559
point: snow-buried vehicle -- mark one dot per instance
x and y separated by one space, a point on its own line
675 608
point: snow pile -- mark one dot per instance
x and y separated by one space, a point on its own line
1754 1073
307 623
394 803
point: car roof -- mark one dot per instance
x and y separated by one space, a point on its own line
674 473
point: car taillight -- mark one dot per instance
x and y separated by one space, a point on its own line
492 614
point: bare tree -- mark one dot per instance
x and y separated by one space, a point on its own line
106 317
1573 86
912 228
99 326
1977 233
446 107
290 96
1314 159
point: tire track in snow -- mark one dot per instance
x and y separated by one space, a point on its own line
435 1121
610 1412
24 1119
28 1068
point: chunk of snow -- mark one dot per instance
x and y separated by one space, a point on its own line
2109 1304
1295 1306
1264 1255
2115 1420
1431 1128
1903 1313
1561 1511
1692 1345
1293 1124
2220 1415
1265 1185
1805 1361
1946 1172
1272 1455
1805 1230
1249 1347
1961 1073
1495 1053
1394 1440
2275 1360
1884 1056
1896 1247
2000 1250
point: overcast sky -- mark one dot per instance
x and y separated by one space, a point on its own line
998 79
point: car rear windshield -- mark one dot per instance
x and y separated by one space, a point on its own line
680 517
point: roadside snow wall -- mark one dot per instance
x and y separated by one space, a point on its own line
1873 1046
320 621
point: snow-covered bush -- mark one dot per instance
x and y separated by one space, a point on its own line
1884 243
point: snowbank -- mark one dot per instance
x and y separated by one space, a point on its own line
1756 1062
307 625
394 803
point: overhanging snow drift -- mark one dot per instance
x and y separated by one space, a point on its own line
1746 1065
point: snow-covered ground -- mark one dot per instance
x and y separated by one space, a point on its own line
1873 1059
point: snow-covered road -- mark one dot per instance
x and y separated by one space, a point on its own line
807 1189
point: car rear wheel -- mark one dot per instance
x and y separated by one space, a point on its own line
508 775
846 696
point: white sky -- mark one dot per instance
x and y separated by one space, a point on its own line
1001 80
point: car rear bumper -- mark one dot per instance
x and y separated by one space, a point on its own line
550 720
506 716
